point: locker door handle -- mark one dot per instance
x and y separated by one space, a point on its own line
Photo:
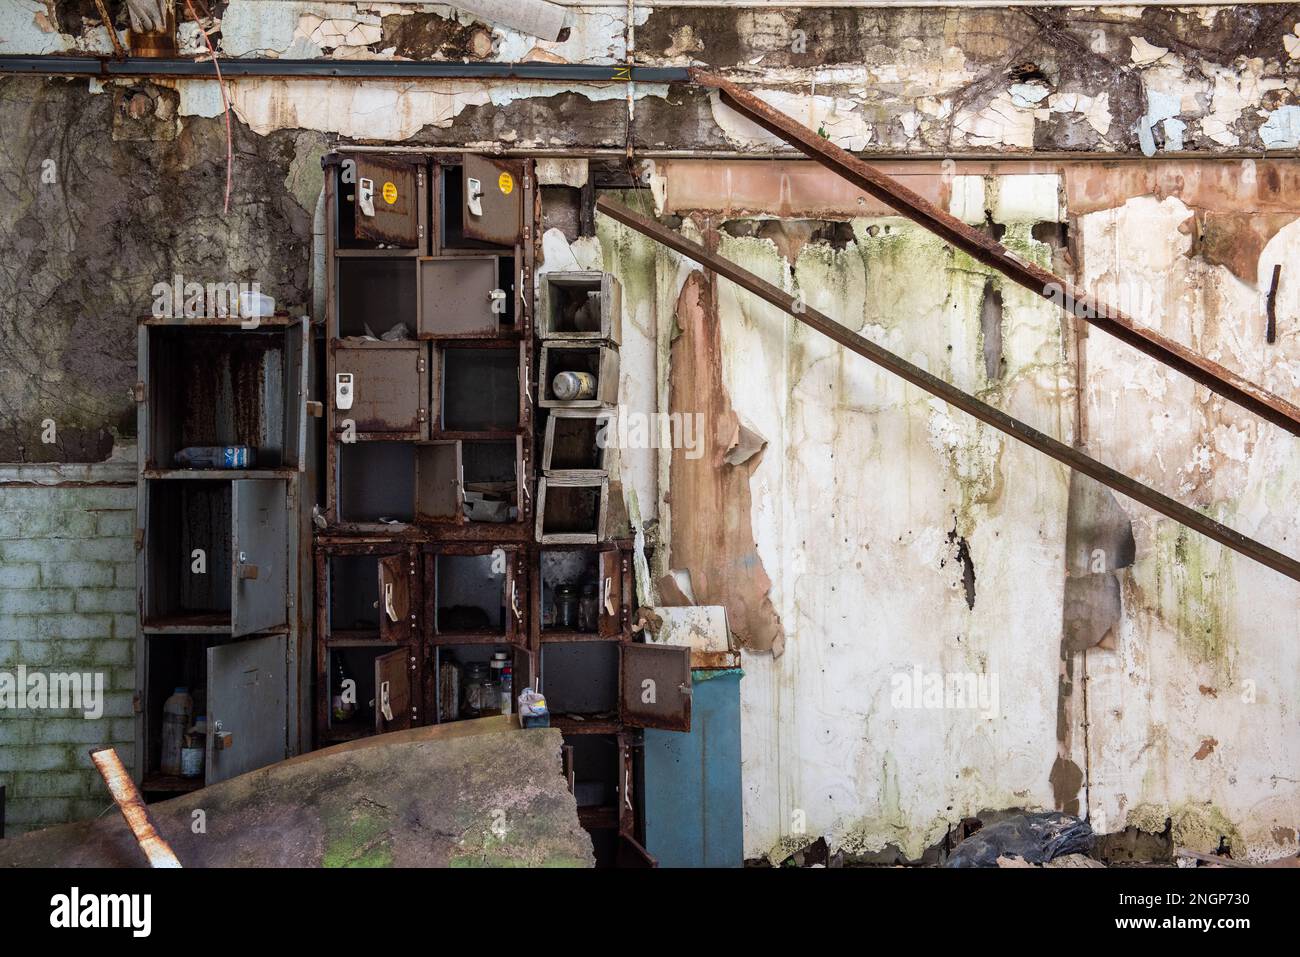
609 595
244 570
514 601
388 601
385 704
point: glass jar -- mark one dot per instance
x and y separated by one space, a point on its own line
476 684
589 608
566 607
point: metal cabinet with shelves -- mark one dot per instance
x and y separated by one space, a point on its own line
220 575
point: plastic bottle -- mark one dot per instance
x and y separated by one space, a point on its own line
215 457
178 715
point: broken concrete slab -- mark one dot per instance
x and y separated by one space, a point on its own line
481 793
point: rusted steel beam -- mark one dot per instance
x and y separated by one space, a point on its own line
992 253
156 851
953 396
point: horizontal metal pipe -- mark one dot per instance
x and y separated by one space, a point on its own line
932 384
234 67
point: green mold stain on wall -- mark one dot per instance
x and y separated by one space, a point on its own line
1191 592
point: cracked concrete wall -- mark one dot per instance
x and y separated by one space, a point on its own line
104 196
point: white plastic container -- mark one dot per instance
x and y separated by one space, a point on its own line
178 715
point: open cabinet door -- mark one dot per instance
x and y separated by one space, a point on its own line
259 556
247 717
632 854
493 191
655 686
396 574
386 201
609 591
393 673
439 482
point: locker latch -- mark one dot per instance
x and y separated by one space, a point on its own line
343 390
388 601
385 705
475 199
366 196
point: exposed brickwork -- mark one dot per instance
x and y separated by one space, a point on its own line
67 604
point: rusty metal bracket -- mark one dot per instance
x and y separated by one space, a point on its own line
991 253
953 396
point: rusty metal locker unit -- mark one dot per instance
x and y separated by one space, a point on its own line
429 436
222 553
603 685
429 345
579 325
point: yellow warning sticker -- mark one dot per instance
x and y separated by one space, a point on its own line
390 193
507 183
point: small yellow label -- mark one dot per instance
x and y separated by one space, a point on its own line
390 193
507 183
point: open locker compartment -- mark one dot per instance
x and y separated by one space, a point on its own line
371 597
479 204
452 698
593 767
376 482
215 556
581 304
379 201
477 388
469 481
354 678
376 298
221 385
475 595
467 296
384 386
580 679
599 361
577 443
571 511
240 689
596 577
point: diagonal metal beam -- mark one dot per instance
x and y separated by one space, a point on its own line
992 253
953 396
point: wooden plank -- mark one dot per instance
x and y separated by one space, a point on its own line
989 251
953 396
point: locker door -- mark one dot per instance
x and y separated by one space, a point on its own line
461 296
609 591
385 201
655 686
396 608
493 196
259 556
389 387
439 482
247 718
394 674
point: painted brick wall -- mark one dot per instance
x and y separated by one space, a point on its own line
67 604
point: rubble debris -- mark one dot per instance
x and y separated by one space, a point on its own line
1035 838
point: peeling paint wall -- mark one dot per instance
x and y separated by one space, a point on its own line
877 535
895 536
